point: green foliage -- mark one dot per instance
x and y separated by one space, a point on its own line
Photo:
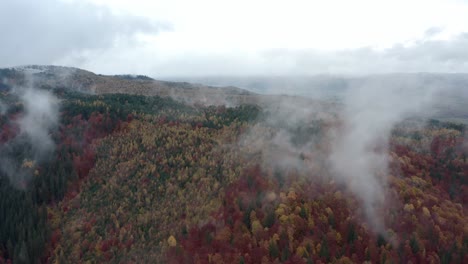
414 245
119 106
352 235
285 254
381 240
23 229
324 250
436 124
217 117
270 219
273 250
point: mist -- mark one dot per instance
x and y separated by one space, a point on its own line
360 154
357 130
34 143
41 115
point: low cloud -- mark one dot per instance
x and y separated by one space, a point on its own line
349 140
40 117
360 154
34 142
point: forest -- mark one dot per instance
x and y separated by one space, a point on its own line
148 179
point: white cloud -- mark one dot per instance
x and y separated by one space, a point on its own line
242 37
322 25
41 32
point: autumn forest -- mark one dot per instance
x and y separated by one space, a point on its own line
131 178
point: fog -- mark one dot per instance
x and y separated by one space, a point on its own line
360 154
34 142
358 131
40 116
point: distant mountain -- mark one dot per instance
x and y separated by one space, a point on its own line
452 89
265 91
325 85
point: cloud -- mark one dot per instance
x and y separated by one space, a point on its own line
108 40
348 141
437 52
42 32
34 142
427 54
359 156
433 31
40 116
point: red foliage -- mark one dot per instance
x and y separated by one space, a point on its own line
84 162
10 129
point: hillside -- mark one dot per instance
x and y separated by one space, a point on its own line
127 169
88 82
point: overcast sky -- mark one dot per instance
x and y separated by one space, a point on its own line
242 37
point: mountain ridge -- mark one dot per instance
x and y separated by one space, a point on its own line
324 90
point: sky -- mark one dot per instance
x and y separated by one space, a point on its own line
237 38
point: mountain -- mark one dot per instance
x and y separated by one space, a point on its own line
452 88
88 82
324 85
127 169
264 91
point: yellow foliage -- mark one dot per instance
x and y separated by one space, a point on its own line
283 218
345 260
297 210
28 163
318 247
301 251
279 211
418 182
275 237
97 249
292 195
338 195
418 203
172 241
338 237
256 226
426 212
408 207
